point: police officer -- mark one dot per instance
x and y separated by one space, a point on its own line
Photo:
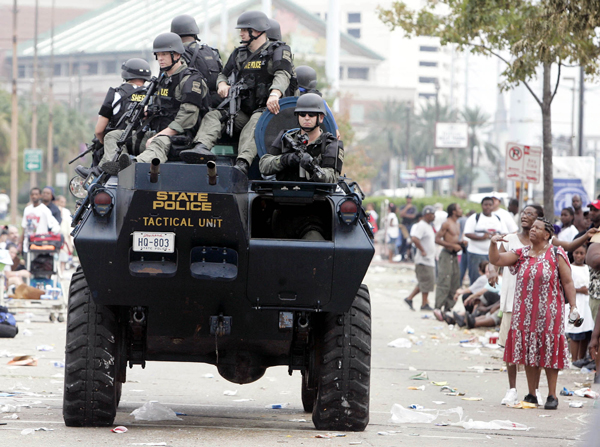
180 101
322 149
274 31
267 73
307 83
118 101
198 55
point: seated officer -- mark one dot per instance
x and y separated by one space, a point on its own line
323 155
180 102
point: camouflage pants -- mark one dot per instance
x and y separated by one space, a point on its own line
211 129
158 148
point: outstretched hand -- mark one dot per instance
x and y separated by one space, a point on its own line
498 238
589 233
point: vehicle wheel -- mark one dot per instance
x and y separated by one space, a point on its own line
344 369
308 394
90 397
52 317
60 318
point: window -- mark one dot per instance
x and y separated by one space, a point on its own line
57 69
354 17
429 49
110 67
21 71
357 113
341 72
358 73
426 80
354 32
92 68
428 64
427 95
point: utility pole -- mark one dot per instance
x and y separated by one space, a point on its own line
332 64
581 104
50 147
267 7
407 144
206 24
224 25
14 126
33 175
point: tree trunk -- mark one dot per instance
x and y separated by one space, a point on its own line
471 175
547 144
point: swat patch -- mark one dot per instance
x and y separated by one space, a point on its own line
197 86
287 55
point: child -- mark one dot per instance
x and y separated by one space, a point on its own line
579 337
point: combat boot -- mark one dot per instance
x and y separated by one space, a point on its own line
200 154
84 172
242 166
114 167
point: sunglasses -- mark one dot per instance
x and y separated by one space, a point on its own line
310 114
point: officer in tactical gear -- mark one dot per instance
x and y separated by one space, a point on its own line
118 101
198 55
265 70
274 31
307 153
180 101
307 83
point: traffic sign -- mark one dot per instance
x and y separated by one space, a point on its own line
451 135
523 163
32 160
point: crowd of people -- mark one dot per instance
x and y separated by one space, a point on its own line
534 279
44 214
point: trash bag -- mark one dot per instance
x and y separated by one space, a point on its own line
154 411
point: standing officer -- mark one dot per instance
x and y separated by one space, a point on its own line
118 101
198 55
267 75
307 83
322 149
178 105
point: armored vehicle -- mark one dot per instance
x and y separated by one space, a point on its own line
185 263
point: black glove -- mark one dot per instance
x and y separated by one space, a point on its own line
291 160
307 163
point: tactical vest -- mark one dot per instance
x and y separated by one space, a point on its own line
167 105
130 95
207 61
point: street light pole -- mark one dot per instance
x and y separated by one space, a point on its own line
581 104
14 126
571 142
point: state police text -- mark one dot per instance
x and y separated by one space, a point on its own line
182 201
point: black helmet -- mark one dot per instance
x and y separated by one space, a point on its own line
274 32
307 77
184 25
311 102
136 69
256 20
168 42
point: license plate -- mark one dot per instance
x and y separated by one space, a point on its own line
154 242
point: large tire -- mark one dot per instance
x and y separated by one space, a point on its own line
91 389
344 368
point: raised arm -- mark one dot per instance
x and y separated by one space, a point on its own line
575 243
501 259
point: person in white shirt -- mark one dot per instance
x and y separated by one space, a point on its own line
507 218
423 237
568 230
392 231
37 218
480 228
4 202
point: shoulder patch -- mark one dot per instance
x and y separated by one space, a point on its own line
287 55
197 86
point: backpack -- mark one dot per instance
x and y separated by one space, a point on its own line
8 324
479 214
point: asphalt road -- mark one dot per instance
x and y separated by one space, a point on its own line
213 418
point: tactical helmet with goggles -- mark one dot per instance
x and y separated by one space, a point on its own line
136 68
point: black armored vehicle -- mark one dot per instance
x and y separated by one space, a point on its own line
184 263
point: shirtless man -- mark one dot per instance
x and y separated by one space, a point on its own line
448 268
579 221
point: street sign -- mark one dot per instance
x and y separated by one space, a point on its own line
523 163
32 160
451 135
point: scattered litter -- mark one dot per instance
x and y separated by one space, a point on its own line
583 384
387 433
442 424
471 345
447 388
8 408
5 354
409 330
154 411
434 337
119 429
400 343
401 415
297 420
412 368
45 348
478 369
12 416
277 406
58 364
545 416
473 398
27 333
208 376
331 435
29 431
416 407
23 360
426 317
566 392
420 376
242 400
586 392
417 388
230 392
149 443
355 443
491 425
59 375
475 352
439 383
523 405
439 402
491 346
576 404
585 371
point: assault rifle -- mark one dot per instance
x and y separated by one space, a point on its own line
233 102
94 146
92 182
300 147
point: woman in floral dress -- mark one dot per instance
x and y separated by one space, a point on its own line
536 337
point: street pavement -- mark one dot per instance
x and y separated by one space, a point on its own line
213 418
